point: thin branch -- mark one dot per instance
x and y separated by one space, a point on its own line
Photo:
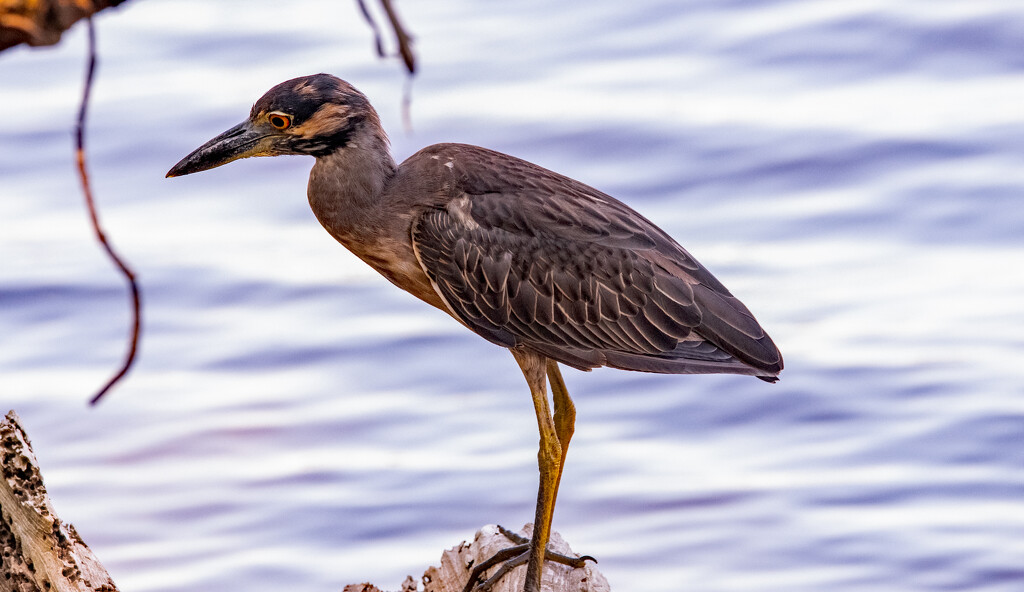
377 39
404 41
125 270
401 36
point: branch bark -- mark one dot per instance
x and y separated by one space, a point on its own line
41 22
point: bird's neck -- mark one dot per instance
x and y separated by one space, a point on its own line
345 187
353 193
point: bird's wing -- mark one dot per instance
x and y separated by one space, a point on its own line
527 257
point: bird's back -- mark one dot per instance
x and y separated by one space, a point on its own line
526 257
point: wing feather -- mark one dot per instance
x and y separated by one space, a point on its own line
528 258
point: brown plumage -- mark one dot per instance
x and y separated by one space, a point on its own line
528 259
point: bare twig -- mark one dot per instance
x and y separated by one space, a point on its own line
377 40
125 270
404 41
401 36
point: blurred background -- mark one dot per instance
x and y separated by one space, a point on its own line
853 171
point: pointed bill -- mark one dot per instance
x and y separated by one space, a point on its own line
241 141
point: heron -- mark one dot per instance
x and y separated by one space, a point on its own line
553 270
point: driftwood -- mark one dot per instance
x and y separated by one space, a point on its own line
38 552
41 553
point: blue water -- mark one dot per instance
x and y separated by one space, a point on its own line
854 171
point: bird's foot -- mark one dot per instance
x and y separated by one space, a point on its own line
511 558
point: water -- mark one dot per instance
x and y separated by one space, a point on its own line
852 170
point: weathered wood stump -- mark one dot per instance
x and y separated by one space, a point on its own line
38 552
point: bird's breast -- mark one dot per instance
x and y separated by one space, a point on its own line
396 261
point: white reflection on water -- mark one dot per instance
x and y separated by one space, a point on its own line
850 170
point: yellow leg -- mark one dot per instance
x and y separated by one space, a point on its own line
549 460
556 430
565 419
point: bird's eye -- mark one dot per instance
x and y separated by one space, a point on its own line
279 121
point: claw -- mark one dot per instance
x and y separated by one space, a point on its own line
511 558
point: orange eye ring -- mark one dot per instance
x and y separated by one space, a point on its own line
280 121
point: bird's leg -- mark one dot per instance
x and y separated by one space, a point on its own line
556 429
565 417
534 367
549 459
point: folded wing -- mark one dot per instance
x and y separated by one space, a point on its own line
527 257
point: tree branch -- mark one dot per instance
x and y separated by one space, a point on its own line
42 22
126 271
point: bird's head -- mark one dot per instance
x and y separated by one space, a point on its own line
315 115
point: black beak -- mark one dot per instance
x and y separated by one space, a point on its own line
241 141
